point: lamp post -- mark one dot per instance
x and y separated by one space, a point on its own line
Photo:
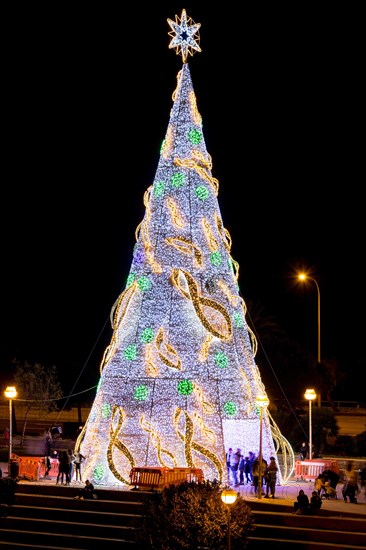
10 393
304 277
262 401
229 496
310 395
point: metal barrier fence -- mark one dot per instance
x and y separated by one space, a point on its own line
158 478
310 469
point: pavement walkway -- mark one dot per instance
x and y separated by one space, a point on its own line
285 494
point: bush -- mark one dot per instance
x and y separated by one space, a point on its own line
7 492
192 515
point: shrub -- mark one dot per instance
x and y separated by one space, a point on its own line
7 493
192 515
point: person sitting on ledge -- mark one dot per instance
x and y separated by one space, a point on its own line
315 503
87 491
301 504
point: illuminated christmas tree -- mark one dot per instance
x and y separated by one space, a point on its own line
179 381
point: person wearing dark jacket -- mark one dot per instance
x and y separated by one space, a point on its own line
87 491
301 504
315 503
350 490
271 477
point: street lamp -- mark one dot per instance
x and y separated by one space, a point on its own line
304 277
228 496
262 401
310 395
10 393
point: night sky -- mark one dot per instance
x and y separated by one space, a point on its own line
87 102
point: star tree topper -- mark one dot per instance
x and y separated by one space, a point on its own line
182 33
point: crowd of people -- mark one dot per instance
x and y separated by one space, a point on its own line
68 462
243 470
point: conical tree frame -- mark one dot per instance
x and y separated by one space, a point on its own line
179 381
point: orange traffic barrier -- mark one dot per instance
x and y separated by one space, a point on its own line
146 477
33 467
29 467
310 469
157 478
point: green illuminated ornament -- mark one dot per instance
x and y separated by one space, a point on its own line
185 387
195 136
106 410
202 192
159 189
130 279
141 393
144 283
221 360
177 180
98 472
147 335
215 258
238 320
230 408
131 352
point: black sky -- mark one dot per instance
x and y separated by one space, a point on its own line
87 102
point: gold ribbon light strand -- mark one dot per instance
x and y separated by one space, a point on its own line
219 324
189 444
114 442
156 441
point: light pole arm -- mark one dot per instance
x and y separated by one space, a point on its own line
318 290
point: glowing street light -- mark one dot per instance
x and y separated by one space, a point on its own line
229 496
10 393
310 395
303 277
262 401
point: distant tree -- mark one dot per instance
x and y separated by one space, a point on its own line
38 387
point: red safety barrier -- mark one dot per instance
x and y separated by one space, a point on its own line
310 469
29 467
54 467
147 478
158 478
33 467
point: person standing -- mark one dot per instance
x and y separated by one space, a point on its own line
304 451
228 457
47 467
68 465
271 477
48 442
61 467
78 458
247 468
350 490
255 475
241 470
234 465
252 458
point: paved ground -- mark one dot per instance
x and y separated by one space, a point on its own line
285 494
